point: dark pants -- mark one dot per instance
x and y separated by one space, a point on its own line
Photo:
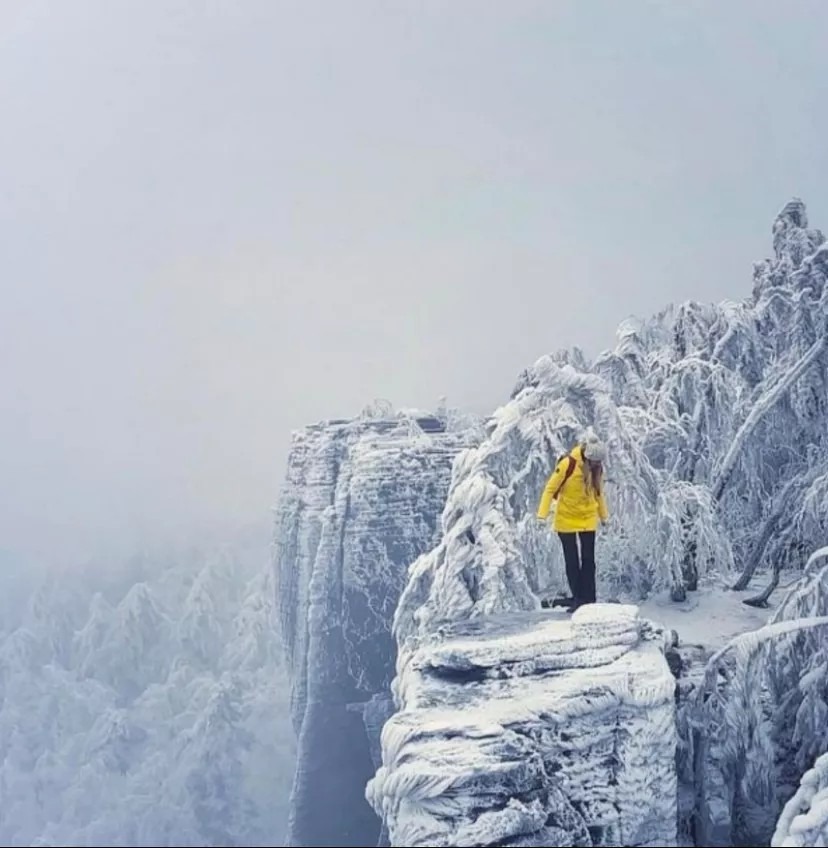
580 569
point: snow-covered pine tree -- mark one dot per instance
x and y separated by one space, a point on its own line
103 737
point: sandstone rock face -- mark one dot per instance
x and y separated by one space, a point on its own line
532 728
362 500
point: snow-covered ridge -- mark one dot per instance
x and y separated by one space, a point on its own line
531 729
718 451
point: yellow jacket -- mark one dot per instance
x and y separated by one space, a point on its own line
577 511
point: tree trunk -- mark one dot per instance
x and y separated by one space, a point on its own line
790 492
761 600
689 563
752 562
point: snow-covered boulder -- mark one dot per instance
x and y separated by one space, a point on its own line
532 729
361 502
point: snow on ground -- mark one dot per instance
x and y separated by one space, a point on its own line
710 617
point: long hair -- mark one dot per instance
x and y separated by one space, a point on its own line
593 474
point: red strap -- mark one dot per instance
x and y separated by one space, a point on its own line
569 469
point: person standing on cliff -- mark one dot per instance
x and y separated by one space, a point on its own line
576 485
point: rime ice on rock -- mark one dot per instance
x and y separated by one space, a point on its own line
531 729
361 502
804 821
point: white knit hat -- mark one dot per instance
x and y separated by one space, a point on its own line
595 450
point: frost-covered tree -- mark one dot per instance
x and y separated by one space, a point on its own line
214 772
760 717
146 713
212 601
715 419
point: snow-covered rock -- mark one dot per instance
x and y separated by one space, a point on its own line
361 502
532 729
804 820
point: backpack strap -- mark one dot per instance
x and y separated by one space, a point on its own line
569 469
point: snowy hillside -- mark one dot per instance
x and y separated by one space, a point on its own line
145 705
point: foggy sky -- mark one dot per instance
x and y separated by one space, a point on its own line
220 221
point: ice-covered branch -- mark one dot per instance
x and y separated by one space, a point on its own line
808 593
744 645
732 745
782 503
760 409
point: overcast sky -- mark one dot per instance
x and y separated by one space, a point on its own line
220 221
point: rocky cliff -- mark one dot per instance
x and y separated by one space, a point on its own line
362 500
533 729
